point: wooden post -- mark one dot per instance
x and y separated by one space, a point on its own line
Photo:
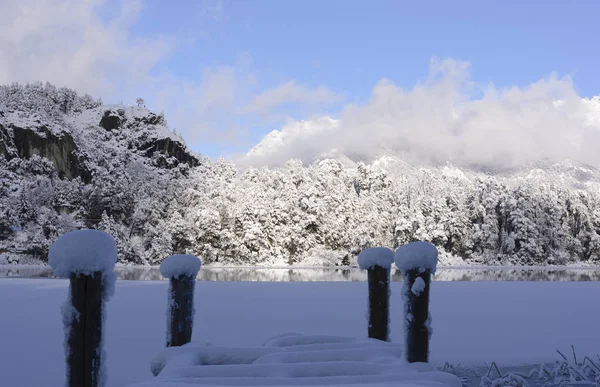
180 311
417 261
417 316
379 296
87 258
85 332
181 270
378 261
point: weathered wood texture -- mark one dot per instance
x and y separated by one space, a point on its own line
379 299
416 318
85 332
180 311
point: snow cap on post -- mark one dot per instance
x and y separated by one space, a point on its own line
177 265
420 256
376 256
83 252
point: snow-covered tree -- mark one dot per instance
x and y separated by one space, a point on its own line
132 177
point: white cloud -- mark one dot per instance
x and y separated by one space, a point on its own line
214 9
87 45
66 43
438 120
291 93
213 107
202 109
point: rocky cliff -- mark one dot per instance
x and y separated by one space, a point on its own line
60 149
140 130
68 160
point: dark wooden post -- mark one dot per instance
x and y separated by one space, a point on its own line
85 332
181 311
417 261
181 270
87 258
379 302
417 316
378 261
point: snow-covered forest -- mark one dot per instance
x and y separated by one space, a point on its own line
68 162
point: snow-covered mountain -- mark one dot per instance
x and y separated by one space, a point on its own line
290 139
473 136
68 161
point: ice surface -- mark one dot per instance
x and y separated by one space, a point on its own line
418 286
376 256
418 255
476 322
180 264
82 252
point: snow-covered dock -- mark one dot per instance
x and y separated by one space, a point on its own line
87 258
294 359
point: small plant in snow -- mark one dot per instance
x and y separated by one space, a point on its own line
459 370
515 379
583 371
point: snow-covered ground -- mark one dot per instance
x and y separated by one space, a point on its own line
295 359
512 323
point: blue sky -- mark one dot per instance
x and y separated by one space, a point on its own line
226 72
350 45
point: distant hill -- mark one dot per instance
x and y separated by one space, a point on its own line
68 161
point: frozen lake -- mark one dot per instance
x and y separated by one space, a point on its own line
511 323
331 274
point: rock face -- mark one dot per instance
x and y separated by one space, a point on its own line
69 162
61 150
120 118
143 132
139 130
168 147
3 141
150 119
110 120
